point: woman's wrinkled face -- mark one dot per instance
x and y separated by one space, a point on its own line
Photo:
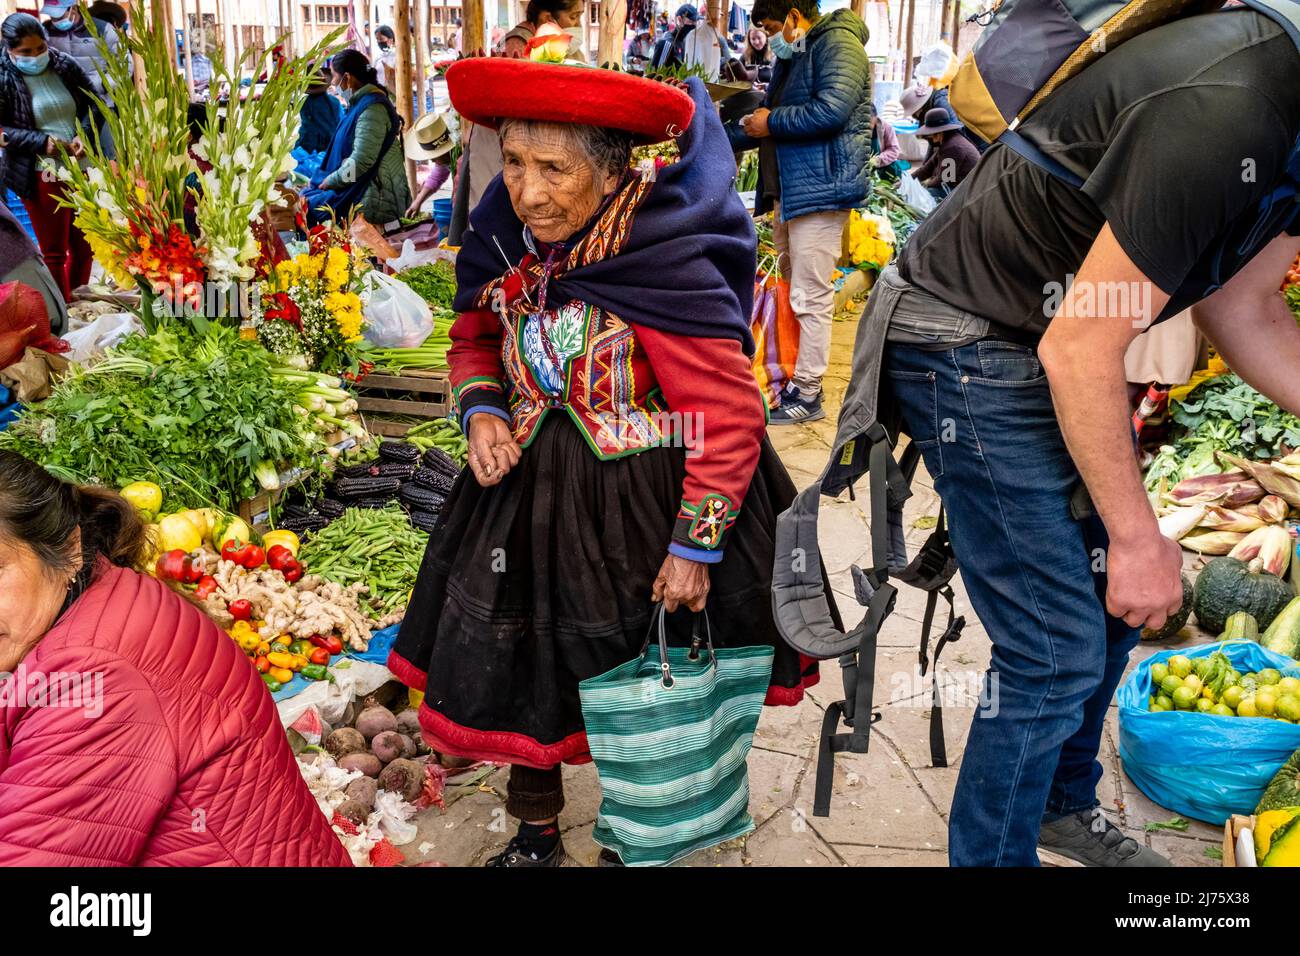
30 599
554 187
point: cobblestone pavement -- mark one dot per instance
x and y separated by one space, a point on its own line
890 806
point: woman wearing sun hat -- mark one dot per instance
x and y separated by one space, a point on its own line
429 141
952 156
601 369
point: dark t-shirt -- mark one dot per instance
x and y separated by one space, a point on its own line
1179 133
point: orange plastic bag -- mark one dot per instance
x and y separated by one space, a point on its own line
776 336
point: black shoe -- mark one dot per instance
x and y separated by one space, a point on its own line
517 854
1089 838
609 858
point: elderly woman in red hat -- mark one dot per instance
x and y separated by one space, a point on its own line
601 369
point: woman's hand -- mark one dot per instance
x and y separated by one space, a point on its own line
682 581
51 146
493 450
77 148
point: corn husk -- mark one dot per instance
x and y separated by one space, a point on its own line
1232 489
1275 481
1218 518
1211 542
1177 522
1270 545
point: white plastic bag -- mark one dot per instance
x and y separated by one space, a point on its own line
914 194
104 332
410 257
396 317
937 62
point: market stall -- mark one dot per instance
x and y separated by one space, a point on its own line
1210 730
223 378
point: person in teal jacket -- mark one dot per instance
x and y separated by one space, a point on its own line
363 168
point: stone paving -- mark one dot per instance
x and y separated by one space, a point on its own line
890 806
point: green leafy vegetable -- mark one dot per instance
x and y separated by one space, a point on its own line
194 413
435 282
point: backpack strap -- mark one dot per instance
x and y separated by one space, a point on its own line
1033 154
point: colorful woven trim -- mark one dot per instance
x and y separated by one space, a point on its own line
706 524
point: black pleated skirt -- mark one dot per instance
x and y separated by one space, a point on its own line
534 585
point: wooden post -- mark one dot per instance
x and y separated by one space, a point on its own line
421 54
402 81
860 8
613 24
956 25
186 43
472 28
907 41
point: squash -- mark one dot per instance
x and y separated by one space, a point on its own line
1267 826
1175 622
1283 635
1283 790
1241 626
1226 586
1280 840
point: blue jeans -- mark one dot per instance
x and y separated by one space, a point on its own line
983 420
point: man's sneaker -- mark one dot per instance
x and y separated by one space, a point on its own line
794 410
1089 838
517 855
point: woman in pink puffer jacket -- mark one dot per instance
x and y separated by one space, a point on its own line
133 732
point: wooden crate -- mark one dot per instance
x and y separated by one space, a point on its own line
416 393
1231 831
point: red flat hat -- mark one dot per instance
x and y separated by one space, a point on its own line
485 90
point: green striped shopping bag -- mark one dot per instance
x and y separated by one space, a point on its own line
670 732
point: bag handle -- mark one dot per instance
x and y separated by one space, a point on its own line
659 615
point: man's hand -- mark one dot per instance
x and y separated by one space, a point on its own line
681 581
51 146
77 148
1144 580
493 450
755 124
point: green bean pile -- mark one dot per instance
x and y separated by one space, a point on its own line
378 547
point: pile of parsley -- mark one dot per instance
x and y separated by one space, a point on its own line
192 412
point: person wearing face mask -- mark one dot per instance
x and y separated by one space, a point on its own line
363 167
386 62
44 104
69 33
813 134
565 14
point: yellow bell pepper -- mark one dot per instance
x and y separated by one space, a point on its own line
283 538
282 674
281 659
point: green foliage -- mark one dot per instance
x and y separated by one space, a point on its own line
193 413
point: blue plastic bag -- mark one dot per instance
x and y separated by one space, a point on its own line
1202 765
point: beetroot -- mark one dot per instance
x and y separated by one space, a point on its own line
353 810
408 722
345 741
389 745
405 777
363 790
367 763
375 720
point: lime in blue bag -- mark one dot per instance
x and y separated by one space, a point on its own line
1203 766
670 732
